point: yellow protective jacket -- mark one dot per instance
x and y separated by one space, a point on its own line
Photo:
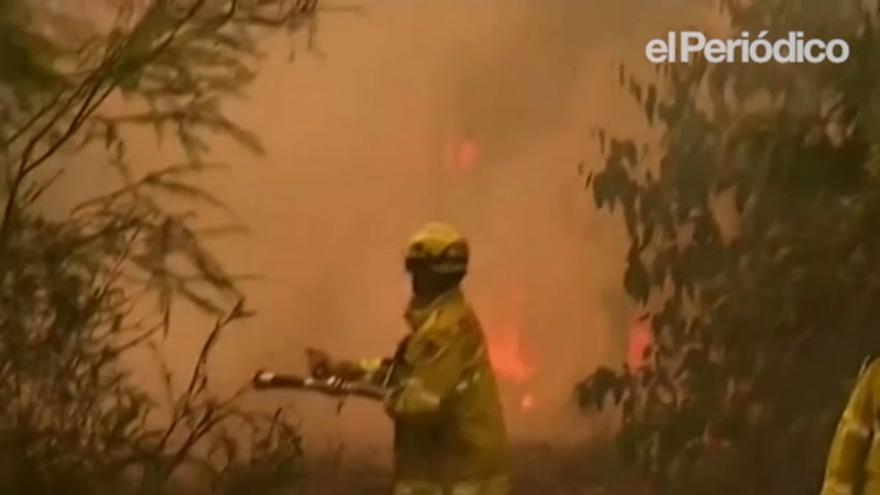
854 460
449 435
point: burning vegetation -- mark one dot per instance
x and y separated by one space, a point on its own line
748 238
503 325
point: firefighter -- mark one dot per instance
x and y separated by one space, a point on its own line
854 460
449 434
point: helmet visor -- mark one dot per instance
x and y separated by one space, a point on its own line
436 265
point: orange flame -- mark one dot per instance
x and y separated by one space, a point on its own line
503 333
640 339
465 155
527 403
507 358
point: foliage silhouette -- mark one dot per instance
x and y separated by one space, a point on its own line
753 230
79 291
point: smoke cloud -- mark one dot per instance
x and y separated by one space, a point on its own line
472 112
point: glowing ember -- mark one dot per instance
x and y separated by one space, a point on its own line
465 156
640 340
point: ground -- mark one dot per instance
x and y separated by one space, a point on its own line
538 470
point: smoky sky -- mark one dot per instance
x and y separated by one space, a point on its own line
361 137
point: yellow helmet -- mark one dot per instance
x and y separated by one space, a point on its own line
439 248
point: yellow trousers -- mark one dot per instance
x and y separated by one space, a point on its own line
496 486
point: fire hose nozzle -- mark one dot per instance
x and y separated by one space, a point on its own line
332 386
263 379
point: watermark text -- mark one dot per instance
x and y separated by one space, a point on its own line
685 46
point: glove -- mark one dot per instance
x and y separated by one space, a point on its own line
320 363
322 366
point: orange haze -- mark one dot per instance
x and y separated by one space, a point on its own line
472 112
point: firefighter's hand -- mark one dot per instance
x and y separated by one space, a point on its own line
322 366
262 379
320 363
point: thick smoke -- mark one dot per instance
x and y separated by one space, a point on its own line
473 112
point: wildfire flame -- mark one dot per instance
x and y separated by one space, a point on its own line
465 156
640 339
506 355
506 352
503 333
